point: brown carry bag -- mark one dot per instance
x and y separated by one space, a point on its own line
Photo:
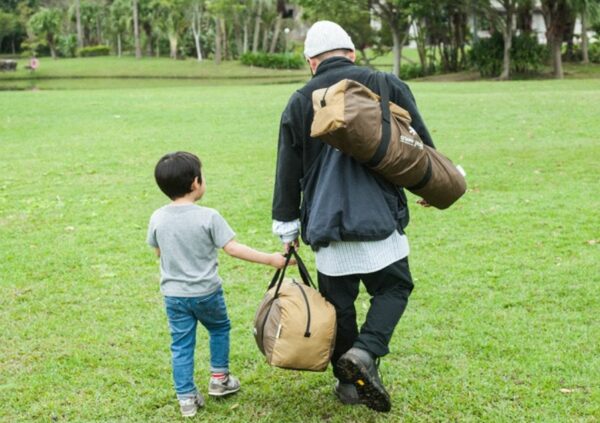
294 326
377 133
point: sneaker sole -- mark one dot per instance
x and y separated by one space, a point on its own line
371 393
222 394
189 414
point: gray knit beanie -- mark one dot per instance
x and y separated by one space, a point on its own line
326 36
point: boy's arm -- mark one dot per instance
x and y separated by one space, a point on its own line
157 251
241 251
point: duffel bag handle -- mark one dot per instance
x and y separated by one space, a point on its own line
280 273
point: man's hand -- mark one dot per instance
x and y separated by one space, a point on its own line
423 203
287 245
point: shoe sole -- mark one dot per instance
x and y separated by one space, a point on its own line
370 392
222 394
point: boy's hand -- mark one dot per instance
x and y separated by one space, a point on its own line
278 260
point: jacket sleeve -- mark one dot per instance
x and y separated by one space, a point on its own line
401 94
287 193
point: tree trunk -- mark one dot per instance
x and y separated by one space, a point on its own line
218 41
245 44
136 30
557 57
507 33
421 46
265 40
584 41
256 28
78 24
278 22
147 28
119 45
397 50
50 40
224 39
173 45
196 27
237 30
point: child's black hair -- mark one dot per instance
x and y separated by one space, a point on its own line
175 172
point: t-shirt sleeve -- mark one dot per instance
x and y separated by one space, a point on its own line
220 230
151 236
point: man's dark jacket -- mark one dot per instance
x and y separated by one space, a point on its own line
341 199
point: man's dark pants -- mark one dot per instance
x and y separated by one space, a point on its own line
389 288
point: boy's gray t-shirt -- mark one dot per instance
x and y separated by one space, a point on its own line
189 237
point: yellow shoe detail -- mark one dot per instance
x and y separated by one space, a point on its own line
360 382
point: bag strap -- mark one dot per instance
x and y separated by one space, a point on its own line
280 273
386 130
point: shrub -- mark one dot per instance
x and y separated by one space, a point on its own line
594 52
67 45
411 71
92 51
276 61
526 55
486 55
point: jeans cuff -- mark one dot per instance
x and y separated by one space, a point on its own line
219 370
187 395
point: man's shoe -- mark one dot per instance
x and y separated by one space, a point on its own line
218 387
189 406
346 393
358 366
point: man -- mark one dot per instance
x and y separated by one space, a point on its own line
353 219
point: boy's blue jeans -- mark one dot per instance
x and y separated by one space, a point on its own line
184 314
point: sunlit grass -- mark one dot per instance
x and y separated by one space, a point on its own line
502 325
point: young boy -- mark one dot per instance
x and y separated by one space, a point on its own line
186 238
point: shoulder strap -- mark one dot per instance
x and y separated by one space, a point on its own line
386 130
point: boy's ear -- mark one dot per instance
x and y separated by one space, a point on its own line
194 184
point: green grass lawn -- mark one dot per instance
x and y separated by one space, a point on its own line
115 72
502 325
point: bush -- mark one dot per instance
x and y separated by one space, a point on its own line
92 51
526 55
67 45
276 61
35 48
594 52
411 71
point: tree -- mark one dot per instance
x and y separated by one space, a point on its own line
397 14
8 24
78 23
354 16
194 14
136 29
46 23
588 11
120 21
556 16
171 20
505 19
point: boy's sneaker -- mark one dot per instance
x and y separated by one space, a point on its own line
189 406
218 387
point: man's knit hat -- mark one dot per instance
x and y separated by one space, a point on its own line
326 36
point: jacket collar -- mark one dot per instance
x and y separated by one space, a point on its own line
332 63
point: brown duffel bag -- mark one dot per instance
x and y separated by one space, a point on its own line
294 326
377 133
